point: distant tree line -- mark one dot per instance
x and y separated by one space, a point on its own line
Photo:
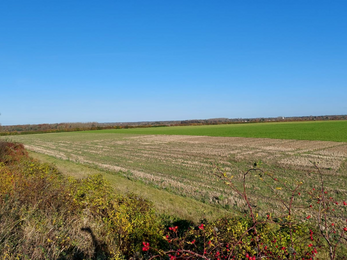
69 127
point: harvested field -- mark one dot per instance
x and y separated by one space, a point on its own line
184 164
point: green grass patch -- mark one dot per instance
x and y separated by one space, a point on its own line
316 130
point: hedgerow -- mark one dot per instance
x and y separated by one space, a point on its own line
45 215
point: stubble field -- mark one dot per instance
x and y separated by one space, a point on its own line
184 165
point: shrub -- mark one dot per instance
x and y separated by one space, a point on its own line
255 236
11 152
45 215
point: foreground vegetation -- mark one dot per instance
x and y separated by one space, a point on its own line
312 130
46 215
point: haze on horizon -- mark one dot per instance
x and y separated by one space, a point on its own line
129 61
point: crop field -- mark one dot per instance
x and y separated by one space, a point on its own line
312 130
184 165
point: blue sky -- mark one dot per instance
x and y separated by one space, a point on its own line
119 61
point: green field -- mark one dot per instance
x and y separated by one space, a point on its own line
313 130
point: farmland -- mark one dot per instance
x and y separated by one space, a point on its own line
184 164
312 130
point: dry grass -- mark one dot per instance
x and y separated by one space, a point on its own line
164 202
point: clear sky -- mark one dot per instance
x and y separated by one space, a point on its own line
127 60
